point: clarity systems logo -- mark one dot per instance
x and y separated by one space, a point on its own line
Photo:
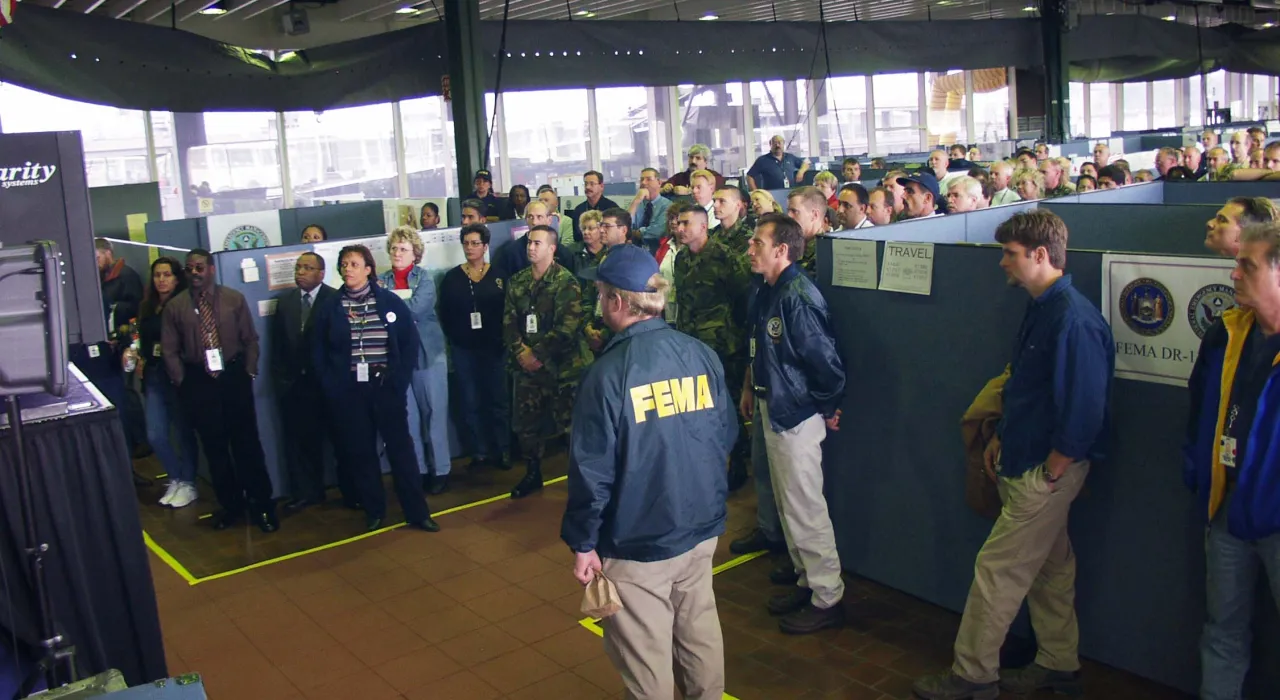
27 175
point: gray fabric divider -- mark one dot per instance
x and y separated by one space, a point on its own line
453 207
938 229
178 233
1140 193
1163 229
112 205
1217 193
348 220
980 226
896 474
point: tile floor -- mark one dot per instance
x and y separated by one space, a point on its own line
488 608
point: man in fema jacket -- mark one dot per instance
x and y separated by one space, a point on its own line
1232 459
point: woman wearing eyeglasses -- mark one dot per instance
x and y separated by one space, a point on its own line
471 305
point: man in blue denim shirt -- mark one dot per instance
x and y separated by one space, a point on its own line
1055 422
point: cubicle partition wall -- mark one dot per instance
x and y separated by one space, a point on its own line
261 301
1217 193
349 220
1169 228
120 212
140 255
178 233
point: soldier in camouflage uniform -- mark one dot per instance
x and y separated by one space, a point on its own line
615 230
711 282
734 230
1056 182
541 329
808 206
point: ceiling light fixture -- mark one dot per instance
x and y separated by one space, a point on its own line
214 9
406 10
709 16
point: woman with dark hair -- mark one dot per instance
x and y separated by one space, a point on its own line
165 422
471 307
366 348
517 200
314 234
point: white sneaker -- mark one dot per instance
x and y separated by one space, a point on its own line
185 496
169 492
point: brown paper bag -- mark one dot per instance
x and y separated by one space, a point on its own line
601 599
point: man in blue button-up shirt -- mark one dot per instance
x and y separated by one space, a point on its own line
1055 422
777 169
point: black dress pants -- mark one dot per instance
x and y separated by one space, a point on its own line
307 427
221 411
363 411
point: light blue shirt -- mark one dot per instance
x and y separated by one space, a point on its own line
422 304
651 231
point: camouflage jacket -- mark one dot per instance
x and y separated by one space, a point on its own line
1061 190
709 289
736 238
809 261
556 337
583 259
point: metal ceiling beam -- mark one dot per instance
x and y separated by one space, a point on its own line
85 6
359 9
194 9
261 7
119 9
237 8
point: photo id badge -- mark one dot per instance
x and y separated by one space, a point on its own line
531 324
94 351
475 321
155 350
213 360
1227 451
362 371
752 348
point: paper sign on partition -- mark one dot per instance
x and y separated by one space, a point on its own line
853 263
907 267
1159 308
280 269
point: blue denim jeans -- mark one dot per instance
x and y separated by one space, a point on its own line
1232 576
767 518
428 403
483 417
167 427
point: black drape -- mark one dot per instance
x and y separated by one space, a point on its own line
96 569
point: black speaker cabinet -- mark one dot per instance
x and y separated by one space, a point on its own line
44 196
33 329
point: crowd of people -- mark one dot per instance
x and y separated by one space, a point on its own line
684 340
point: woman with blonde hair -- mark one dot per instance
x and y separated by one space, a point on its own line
428 395
1028 183
763 203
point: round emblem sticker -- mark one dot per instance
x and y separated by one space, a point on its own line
1146 306
391 317
1207 305
774 327
246 236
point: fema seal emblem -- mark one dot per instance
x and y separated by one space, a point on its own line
1146 306
1207 305
774 327
246 236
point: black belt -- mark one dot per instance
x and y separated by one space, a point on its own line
375 371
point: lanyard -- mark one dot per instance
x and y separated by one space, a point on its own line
472 283
360 312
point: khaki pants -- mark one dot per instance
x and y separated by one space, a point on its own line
1027 555
795 468
669 615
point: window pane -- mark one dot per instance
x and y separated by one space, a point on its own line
1100 108
115 140
946 95
340 154
1078 127
842 116
1163 111
897 113
1263 98
1216 85
626 133
778 108
548 135
1135 107
990 105
1195 104
231 157
712 116
428 147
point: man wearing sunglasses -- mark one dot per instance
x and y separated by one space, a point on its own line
211 351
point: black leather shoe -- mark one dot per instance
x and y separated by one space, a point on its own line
427 525
784 574
300 504
267 521
810 619
372 524
223 519
756 542
529 484
790 601
439 484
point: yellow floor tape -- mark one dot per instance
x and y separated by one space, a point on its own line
186 575
594 624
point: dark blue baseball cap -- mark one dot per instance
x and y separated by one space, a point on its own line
925 179
626 267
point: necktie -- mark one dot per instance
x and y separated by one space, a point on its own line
208 326
306 308
648 212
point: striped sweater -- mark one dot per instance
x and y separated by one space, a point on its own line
368 332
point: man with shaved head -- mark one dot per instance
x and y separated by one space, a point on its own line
734 230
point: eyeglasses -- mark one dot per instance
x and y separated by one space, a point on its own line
611 226
195 267
306 268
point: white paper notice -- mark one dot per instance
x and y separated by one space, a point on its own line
280 270
908 267
853 263
267 307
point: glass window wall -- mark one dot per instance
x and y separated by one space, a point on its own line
947 121
842 116
780 108
1101 106
341 154
990 106
897 112
1164 111
712 115
547 135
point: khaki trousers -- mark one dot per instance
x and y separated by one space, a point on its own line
669 615
795 468
1027 555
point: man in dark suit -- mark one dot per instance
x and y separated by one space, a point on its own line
298 391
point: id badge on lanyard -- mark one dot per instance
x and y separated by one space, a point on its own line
476 323
362 371
213 360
